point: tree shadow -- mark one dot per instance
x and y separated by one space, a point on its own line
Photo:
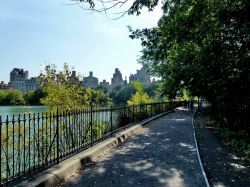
222 166
162 154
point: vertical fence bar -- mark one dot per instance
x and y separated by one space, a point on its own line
111 120
34 139
91 125
57 136
50 142
38 140
13 146
124 116
24 144
0 149
7 148
78 130
29 145
19 146
69 132
42 145
133 111
46 137
73 130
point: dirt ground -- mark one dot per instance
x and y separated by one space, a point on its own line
222 165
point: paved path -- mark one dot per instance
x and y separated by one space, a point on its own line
162 154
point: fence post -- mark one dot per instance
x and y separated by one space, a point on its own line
133 111
111 120
140 111
1 148
57 135
91 125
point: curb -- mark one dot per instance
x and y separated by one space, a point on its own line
69 167
198 154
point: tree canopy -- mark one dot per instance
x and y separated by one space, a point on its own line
65 92
203 46
11 97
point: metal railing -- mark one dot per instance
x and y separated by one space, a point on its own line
31 143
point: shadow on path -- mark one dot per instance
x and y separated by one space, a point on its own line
222 166
162 154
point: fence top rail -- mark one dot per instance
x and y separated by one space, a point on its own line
32 117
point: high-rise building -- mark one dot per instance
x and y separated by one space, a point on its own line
90 81
74 79
117 78
104 84
31 84
19 79
141 75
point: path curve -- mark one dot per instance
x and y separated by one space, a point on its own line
163 153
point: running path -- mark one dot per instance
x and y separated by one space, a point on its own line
162 153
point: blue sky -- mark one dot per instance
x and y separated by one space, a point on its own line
34 33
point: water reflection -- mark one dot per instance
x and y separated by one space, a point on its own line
16 110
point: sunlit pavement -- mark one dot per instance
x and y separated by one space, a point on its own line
162 154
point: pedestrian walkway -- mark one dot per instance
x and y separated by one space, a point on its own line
163 153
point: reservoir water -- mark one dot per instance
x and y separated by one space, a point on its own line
16 110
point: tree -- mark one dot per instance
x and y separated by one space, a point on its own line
3 95
140 97
33 97
61 92
95 98
14 97
203 47
105 6
121 94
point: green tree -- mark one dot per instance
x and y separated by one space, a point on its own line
121 94
95 98
3 95
14 97
33 97
61 92
203 47
140 97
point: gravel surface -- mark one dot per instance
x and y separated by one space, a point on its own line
222 166
161 154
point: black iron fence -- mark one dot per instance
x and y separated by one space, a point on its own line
33 142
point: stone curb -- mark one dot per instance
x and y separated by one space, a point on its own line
69 167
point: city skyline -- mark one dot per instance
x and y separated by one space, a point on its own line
34 33
20 80
77 72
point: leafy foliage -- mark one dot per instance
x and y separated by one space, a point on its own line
61 92
203 47
66 93
33 97
95 97
140 97
120 94
11 97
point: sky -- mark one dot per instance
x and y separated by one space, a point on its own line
34 33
